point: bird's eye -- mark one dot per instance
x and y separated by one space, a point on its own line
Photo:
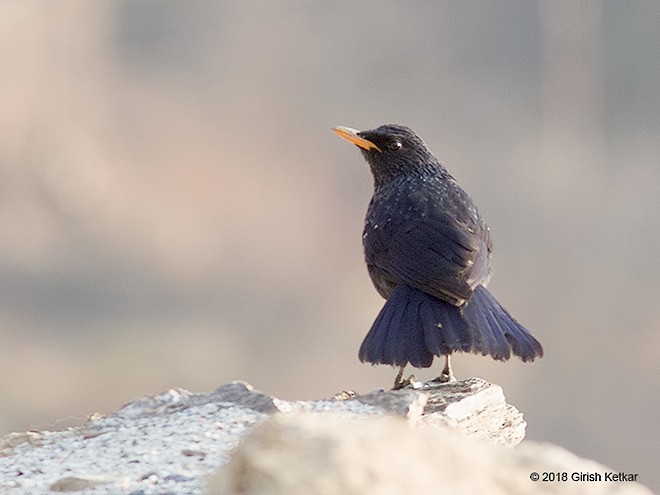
395 145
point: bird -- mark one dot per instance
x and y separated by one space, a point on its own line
428 253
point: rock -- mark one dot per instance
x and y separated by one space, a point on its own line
170 442
74 484
8 442
473 406
314 454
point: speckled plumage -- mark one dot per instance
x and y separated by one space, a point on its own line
428 252
429 215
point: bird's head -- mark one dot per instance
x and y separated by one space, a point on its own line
391 150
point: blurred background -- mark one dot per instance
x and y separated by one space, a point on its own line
175 210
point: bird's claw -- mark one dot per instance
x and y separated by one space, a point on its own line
401 382
447 376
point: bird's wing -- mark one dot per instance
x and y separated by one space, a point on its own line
438 254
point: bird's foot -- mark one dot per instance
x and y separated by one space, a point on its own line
400 382
447 375
445 378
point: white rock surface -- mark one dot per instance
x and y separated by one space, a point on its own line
170 443
311 454
160 445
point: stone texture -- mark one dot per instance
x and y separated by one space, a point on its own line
473 406
74 484
170 442
312 454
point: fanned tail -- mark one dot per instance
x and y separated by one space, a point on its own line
413 327
497 330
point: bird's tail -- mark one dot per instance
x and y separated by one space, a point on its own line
414 326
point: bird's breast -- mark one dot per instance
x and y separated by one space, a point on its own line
404 199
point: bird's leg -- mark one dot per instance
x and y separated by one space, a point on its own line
399 382
446 371
447 374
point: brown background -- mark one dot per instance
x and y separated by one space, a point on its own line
176 212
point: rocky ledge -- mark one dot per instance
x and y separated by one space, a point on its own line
236 440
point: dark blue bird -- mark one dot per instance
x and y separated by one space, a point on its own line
428 252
